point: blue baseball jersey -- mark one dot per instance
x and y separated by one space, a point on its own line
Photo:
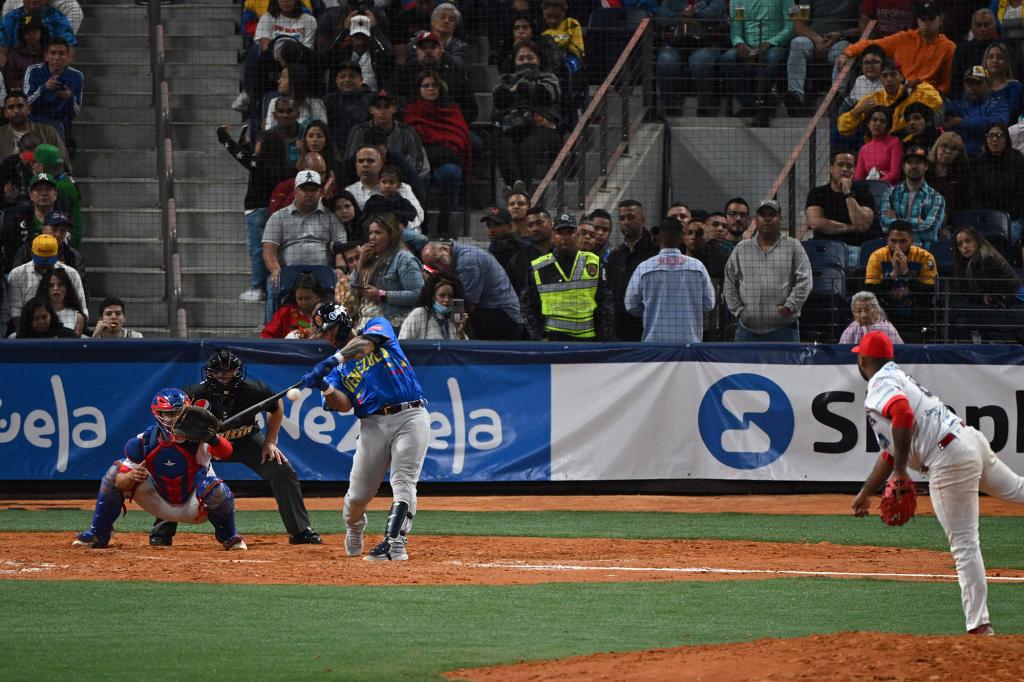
381 378
176 468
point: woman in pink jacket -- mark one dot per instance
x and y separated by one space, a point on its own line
881 157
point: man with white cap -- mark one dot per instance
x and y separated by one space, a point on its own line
23 280
916 430
303 233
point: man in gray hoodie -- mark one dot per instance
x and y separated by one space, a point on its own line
767 281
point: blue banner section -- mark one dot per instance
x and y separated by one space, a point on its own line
68 407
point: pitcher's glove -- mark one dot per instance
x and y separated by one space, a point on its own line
195 423
899 502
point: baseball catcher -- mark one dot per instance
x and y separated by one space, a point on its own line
166 469
225 391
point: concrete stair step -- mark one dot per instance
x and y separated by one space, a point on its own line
119 163
195 223
214 22
93 134
137 70
134 252
138 39
225 282
139 312
222 332
226 310
98 54
141 98
118 281
144 192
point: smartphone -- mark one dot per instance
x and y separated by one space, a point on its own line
458 310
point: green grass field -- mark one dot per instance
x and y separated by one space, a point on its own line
155 631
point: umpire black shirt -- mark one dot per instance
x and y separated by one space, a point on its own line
246 394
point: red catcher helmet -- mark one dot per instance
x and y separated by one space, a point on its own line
166 405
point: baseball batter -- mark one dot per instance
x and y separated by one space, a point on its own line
371 375
916 430
169 477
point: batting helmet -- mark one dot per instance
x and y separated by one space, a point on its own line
223 360
328 316
166 405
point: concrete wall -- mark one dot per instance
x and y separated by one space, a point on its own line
712 162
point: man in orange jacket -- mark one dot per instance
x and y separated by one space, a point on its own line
924 53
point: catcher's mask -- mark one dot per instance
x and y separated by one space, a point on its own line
328 316
166 405
224 360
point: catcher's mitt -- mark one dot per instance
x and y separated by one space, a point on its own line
899 502
195 423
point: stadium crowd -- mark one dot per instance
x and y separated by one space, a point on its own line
360 129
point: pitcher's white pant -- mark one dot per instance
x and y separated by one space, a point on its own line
397 440
953 487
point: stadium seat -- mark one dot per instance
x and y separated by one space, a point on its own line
868 248
608 32
826 252
290 273
826 312
944 251
993 225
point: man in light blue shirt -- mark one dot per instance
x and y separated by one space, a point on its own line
670 291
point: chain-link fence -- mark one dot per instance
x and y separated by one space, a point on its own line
199 118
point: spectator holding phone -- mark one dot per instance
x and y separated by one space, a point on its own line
440 311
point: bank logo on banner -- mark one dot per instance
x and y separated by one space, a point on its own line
746 421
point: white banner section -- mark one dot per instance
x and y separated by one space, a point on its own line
750 421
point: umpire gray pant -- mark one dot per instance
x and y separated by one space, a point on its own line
398 441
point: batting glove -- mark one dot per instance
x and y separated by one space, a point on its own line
314 380
324 367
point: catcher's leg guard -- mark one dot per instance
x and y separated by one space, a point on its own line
220 508
109 503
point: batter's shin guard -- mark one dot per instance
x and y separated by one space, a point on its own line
109 503
220 509
399 520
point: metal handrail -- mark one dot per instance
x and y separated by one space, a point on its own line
176 317
598 107
810 139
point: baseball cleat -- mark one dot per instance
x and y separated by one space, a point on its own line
235 543
306 537
160 541
91 540
388 550
985 630
354 538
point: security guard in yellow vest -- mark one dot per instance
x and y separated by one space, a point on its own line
567 297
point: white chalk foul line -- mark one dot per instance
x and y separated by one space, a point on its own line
727 571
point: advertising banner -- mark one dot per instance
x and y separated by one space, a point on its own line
519 412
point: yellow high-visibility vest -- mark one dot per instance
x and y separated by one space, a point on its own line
568 302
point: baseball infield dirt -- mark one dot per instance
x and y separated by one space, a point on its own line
484 560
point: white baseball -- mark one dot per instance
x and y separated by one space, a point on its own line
293 394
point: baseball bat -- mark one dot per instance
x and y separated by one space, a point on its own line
236 420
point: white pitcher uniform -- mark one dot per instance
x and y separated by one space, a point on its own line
958 462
